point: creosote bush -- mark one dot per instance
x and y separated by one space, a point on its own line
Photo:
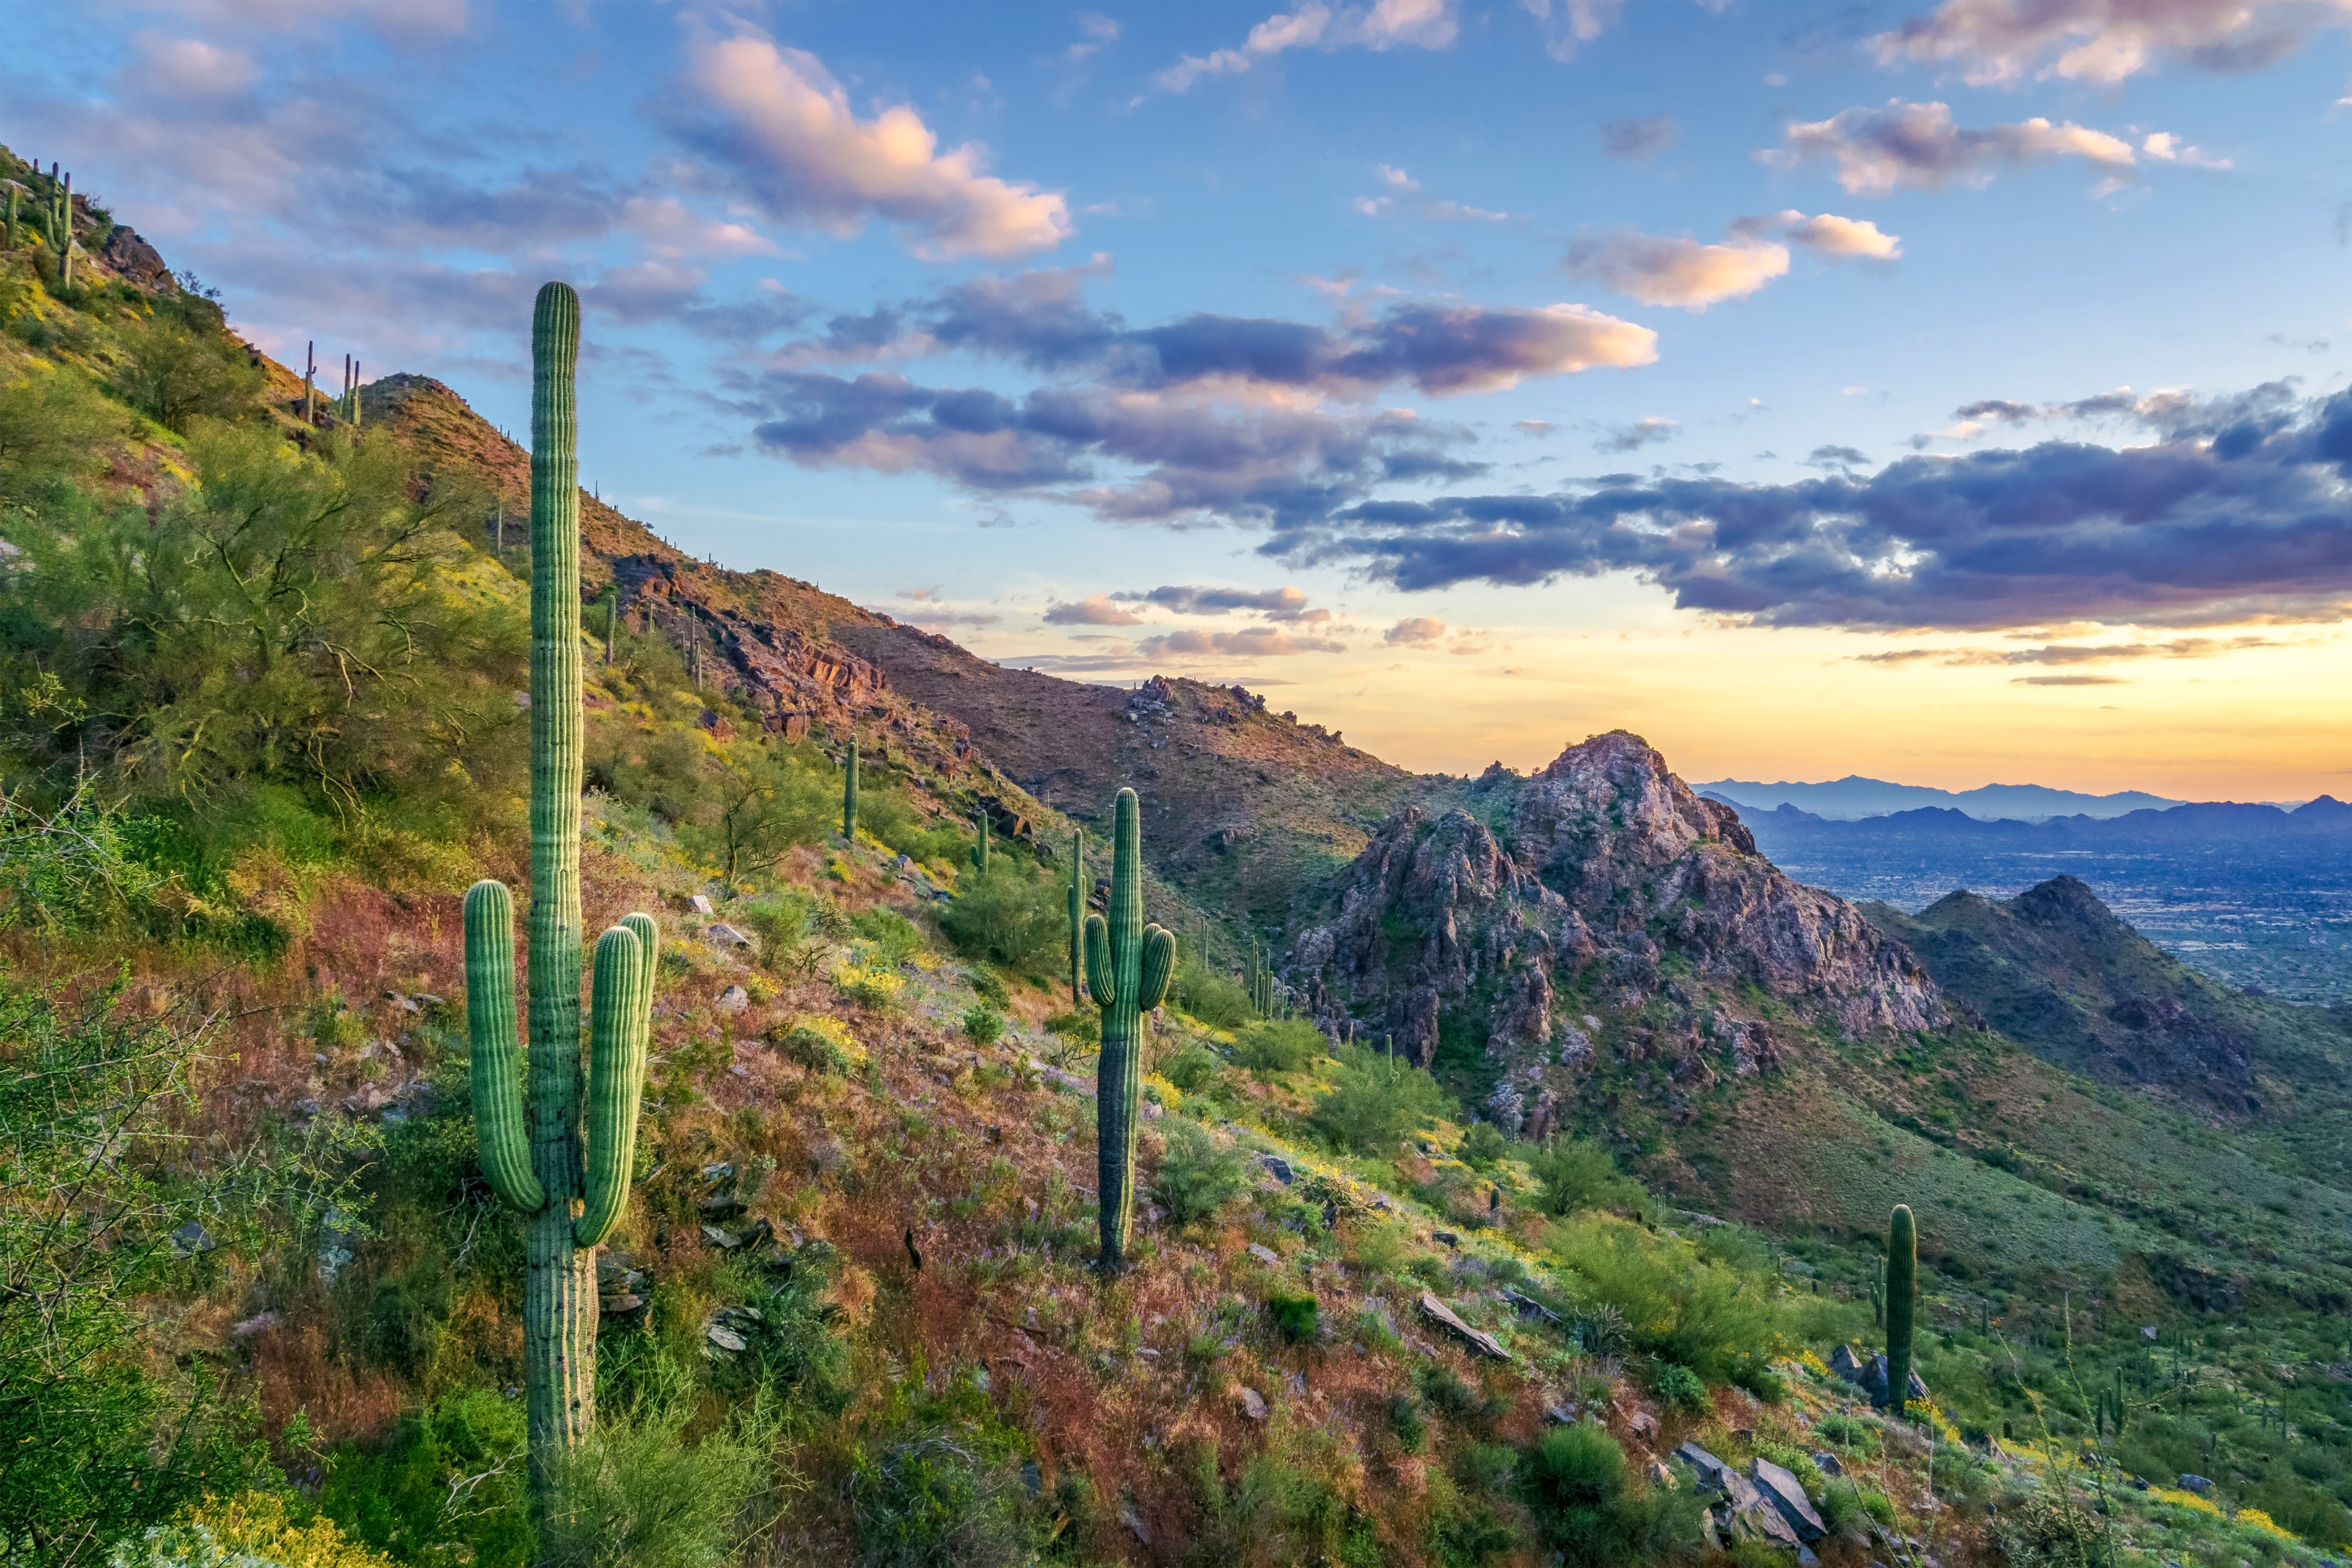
1573 1174
1196 1175
1279 1045
1377 1100
1011 917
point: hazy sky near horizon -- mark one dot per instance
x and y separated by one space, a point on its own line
1946 392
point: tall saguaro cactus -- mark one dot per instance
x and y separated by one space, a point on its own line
1902 1295
571 1196
1077 913
849 795
1128 968
979 845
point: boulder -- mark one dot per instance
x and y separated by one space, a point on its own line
1782 1489
733 1000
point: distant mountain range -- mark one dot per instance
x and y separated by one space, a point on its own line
1854 797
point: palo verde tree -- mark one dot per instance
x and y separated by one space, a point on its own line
1128 968
570 1203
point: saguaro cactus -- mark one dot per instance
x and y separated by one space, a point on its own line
979 845
849 795
1128 968
1077 913
572 1198
1902 1295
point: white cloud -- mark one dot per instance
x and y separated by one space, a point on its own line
1100 32
1385 25
806 158
1831 235
1094 609
1916 146
1569 25
1434 211
188 67
2105 41
1250 643
2166 148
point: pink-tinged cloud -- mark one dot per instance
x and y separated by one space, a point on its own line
1664 270
2105 41
1385 25
1915 146
784 128
1250 643
1830 235
1094 609
1415 629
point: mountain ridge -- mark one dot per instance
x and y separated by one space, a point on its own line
1855 796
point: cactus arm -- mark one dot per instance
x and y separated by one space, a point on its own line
1102 980
616 1076
495 1070
649 950
1159 967
1902 1295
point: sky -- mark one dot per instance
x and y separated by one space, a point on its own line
1950 392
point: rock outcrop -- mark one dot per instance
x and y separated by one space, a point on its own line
1603 874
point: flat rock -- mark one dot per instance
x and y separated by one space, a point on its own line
726 1339
1478 1340
726 1241
700 904
733 1000
1266 1255
728 936
1783 1491
1277 1168
1559 1415
255 1324
1253 1403
2197 1484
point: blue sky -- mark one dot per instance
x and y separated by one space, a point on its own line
1934 391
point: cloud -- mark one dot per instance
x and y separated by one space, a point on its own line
2105 41
1638 435
2166 148
1417 629
1430 209
1639 140
776 121
2073 652
1659 269
2234 512
1039 319
1100 31
1385 25
2068 681
1094 609
1831 235
1250 643
187 67
1915 146
1568 25
1284 603
1676 270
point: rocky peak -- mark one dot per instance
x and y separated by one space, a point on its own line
1611 886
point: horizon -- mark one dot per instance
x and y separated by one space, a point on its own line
1450 365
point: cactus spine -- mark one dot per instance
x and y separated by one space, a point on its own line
1902 1295
1128 968
979 845
849 795
572 1198
1077 913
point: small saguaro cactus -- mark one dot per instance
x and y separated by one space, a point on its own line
979 845
1128 968
1902 1295
849 795
572 1198
1077 913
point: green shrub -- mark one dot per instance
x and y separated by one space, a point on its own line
1845 1432
467 1448
1376 1101
935 1500
1797 1462
1678 1386
1079 1028
1404 1420
632 1494
1215 1000
1196 1175
1576 1484
895 937
821 1044
1190 1067
1485 1467
1294 1318
982 1024
1574 1175
1279 1045
1011 917
1672 1305
988 987
1757 1375
254 1530
1483 1145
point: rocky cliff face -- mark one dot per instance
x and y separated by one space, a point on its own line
1538 930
